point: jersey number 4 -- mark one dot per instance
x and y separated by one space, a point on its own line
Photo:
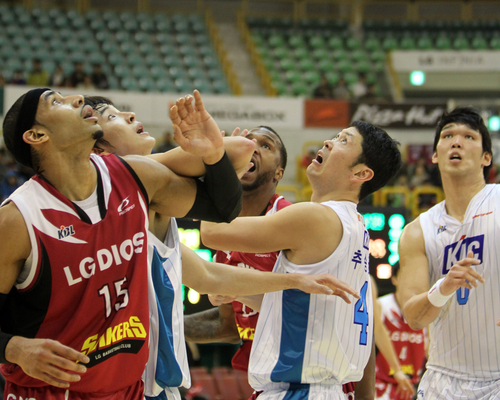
361 315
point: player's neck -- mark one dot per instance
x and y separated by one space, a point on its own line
75 177
255 201
459 193
338 195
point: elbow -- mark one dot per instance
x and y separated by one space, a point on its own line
413 322
233 208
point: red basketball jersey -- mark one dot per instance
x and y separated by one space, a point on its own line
409 344
246 318
86 285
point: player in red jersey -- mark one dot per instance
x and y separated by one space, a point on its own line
409 346
72 242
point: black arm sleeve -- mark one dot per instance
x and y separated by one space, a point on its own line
218 196
4 337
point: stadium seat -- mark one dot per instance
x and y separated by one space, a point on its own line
129 84
164 85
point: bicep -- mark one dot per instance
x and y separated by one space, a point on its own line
414 274
15 246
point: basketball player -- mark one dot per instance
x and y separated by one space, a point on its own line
409 356
449 266
232 323
72 241
308 345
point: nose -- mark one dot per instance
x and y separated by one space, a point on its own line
130 117
457 142
76 100
328 144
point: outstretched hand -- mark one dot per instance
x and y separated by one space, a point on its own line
326 284
405 389
218 299
47 360
195 130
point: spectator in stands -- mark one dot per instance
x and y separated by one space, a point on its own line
167 144
341 91
419 175
18 78
58 78
359 89
38 76
87 83
10 182
371 92
99 78
308 157
77 78
324 90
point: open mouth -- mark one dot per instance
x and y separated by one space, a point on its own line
87 112
140 129
319 159
455 157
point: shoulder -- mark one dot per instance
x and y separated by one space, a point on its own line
13 230
412 231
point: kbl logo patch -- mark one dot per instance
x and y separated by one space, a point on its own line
65 231
458 251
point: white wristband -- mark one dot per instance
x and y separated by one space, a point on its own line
435 297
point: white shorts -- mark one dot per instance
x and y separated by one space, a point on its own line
305 392
437 386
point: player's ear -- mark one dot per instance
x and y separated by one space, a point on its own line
278 174
35 135
362 173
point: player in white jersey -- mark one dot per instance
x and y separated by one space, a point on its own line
167 367
308 345
453 250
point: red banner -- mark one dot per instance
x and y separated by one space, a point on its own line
326 113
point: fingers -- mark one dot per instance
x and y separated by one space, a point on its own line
174 115
498 322
199 102
189 104
235 132
181 106
335 283
178 136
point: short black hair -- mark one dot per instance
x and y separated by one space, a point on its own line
283 153
94 101
470 117
380 153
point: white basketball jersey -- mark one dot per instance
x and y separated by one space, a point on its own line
167 367
317 339
464 339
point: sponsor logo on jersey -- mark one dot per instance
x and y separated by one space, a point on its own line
65 231
457 251
246 333
441 229
125 337
104 259
12 396
267 255
124 206
407 337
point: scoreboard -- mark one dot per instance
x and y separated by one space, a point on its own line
385 225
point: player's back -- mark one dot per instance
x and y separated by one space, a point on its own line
464 337
317 339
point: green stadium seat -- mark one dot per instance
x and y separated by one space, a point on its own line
114 25
128 48
14 64
78 23
443 42
344 65
13 31
332 77
62 22
363 66
353 43
326 65
424 42
317 42
122 70
168 50
407 43
77 56
301 53
495 43
164 85
24 20
131 25
378 55
110 47
300 89
203 86
158 72
153 60
372 43
215 74
147 26
187 49
202 39
293 76
312 77
58 55
183 85
55 13
220 86
172 61
146 48
307 64
97 24
336 42
25 53
181 27
96 58
276 40
163 26
146 84
206 50
129 84
176 73
351 78
378 66
357 55
281 52
90 46
20 42
296 41
210 62
461 43
390 43
479 42
196 73
287 64
321 54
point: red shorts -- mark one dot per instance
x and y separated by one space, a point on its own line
14 392
255 395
